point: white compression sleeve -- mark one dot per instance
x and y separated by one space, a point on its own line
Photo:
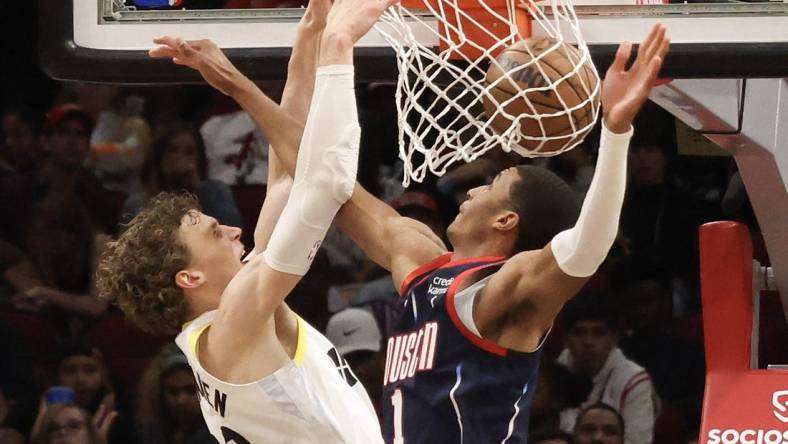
325 172
580 250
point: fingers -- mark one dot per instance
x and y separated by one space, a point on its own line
622 55
108 422
166 40
646 44
162 52
654 65
175 46
389 3
98 417
663 49
655 43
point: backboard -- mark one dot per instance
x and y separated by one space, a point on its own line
107 40
729 62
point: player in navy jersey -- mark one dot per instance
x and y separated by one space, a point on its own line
462 363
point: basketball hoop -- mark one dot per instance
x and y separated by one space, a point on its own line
441 91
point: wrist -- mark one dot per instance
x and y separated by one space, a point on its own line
336 48
616 126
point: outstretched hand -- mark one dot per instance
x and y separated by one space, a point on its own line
352 19
316 15
624 91
201 55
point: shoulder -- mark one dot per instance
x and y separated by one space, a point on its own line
629 377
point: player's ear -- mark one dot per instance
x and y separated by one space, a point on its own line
189 279
506 220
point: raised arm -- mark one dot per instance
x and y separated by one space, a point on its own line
296 98
534 285
324 180
367 220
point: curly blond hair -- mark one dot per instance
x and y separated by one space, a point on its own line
138 269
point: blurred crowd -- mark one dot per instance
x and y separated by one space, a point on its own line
623 363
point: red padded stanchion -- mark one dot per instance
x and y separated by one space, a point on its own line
740 405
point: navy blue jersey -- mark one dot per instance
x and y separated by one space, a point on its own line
443 383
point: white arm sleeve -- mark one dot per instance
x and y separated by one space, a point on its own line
325 172
580 250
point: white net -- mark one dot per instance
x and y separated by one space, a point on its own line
541 101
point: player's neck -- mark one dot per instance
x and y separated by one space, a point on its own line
491 246
202 300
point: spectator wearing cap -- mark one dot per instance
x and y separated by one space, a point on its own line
61 174
591 338
56 216
168 410
119 138
357 337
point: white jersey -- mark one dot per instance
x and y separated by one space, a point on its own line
315 398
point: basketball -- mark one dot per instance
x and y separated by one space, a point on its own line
555 69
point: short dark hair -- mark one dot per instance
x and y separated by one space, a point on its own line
138 270
591 307
545 205
74 346
602 406
549 435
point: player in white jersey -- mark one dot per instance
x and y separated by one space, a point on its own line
263 374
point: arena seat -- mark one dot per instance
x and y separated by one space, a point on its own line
37 336
126 349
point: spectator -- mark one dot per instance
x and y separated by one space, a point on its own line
601 424
60 175
592 334
17 386
357 337
660 215
68 424
236 149
558 396
8 433
168 409
56 275
120 137
675 365
177 162
81 367
551 437
19 141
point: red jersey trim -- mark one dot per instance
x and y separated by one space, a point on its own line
441 261
424 268
484 344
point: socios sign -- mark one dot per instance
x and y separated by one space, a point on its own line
747 436
756 435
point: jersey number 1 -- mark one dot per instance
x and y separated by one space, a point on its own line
396 402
